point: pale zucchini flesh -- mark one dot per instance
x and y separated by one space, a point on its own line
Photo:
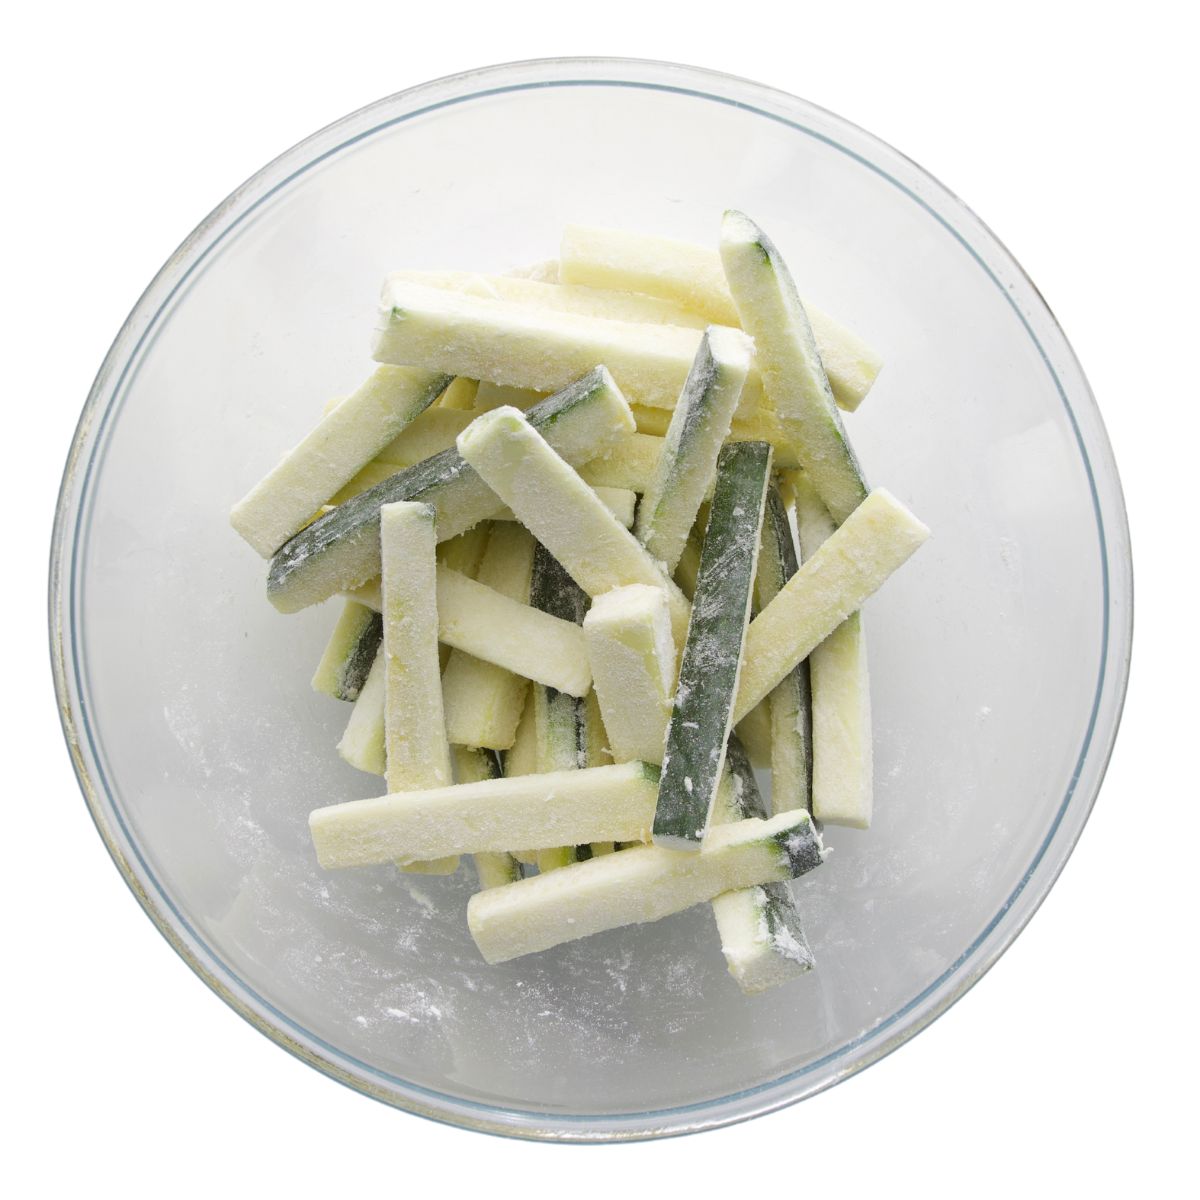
483 702
349 652
692 276
560 510
346 439
632 655
762 938
843 782
498 395
418 755
789 705
429 434
614 803
631 463
712 656
340 551
481 621
876 540
521 759
416 752
793 375
699 426
363 744
465 552
495 868
642 884
556 297
532 348
754 732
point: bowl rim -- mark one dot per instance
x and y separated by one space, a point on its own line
853 1056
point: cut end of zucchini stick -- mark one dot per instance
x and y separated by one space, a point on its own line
638 885
632 654
712 657
537 812
761 937
876 540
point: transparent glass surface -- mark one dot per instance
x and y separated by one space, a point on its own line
999 654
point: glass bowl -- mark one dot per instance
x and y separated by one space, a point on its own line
999 655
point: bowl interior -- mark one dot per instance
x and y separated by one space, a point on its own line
193 693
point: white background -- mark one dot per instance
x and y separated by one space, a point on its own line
1071 133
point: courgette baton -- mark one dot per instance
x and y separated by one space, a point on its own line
564 808
876 539
495 868
793 375
560 510
641 884
691 276
761 934
790 704
842 781
348 437
340 550
687 465
712 656
349 652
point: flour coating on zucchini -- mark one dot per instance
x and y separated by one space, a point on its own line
789 705
565 808
363 743
340 551
645 883
418 755
632 656
842 783
793 375
495 868
535 348
560 510
761 935
876 539
712 656
556 297
483 701
347 438
692 276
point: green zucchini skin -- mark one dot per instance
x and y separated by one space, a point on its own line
711 662
358 662
747 797
562 719
341 549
